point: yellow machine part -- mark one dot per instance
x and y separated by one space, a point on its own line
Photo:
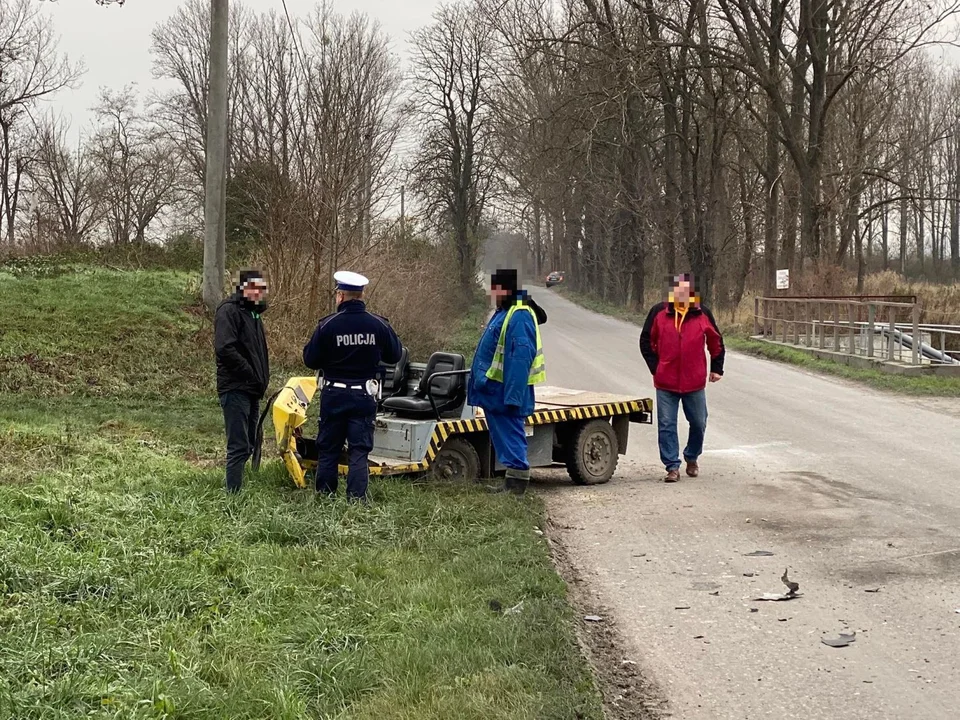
289 413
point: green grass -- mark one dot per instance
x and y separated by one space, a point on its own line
927 385
131 586
908 385
100 332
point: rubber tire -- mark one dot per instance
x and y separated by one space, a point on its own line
457 450
577 447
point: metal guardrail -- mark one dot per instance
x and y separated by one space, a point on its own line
854 326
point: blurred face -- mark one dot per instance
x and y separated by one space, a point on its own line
498 293
682 292
255 290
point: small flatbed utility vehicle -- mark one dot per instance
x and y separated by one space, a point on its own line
425 428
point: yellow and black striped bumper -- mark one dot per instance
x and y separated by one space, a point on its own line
638 410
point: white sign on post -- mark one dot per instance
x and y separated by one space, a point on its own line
783 279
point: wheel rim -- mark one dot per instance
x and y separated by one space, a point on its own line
597 453
452 466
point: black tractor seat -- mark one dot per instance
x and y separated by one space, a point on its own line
394 377
441 392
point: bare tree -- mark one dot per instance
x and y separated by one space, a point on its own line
139 165
455 164
66 182
31 70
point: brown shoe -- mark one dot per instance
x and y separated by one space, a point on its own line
672 476
693 469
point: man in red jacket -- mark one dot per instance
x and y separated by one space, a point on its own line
672 343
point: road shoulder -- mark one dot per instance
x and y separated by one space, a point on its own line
628 691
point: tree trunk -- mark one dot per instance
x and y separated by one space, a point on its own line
673 197
7 198
904 220
885 236
772 164
637 277
538 238
811 178
955 238
791 196
861 265
921 235
811 220
746 248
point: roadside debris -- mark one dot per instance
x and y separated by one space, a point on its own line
515 610
777 597
749 574
759 553
682 607
791 593
495 605
842 641
754 610
874 590
593 618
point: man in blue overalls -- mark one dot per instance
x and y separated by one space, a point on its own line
347 348
507 364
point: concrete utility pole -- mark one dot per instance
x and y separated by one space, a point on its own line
214 244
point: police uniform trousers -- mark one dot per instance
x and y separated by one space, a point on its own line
345 415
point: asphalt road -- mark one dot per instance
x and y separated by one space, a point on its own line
853 490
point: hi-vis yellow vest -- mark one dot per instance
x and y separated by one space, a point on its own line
538 370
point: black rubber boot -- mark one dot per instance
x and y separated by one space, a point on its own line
508 485
519 481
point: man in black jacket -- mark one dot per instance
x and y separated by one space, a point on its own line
243 369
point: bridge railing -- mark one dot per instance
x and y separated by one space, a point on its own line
886 328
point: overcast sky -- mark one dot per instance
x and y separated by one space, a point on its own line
114 42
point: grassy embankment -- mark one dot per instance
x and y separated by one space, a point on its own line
131 586
737 338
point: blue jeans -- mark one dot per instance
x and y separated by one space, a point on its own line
695 410
509 440
345 415
240 415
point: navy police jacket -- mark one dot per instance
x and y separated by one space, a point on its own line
350 344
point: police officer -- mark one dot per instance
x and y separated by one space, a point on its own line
347 348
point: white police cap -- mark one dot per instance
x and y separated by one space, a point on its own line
350 281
